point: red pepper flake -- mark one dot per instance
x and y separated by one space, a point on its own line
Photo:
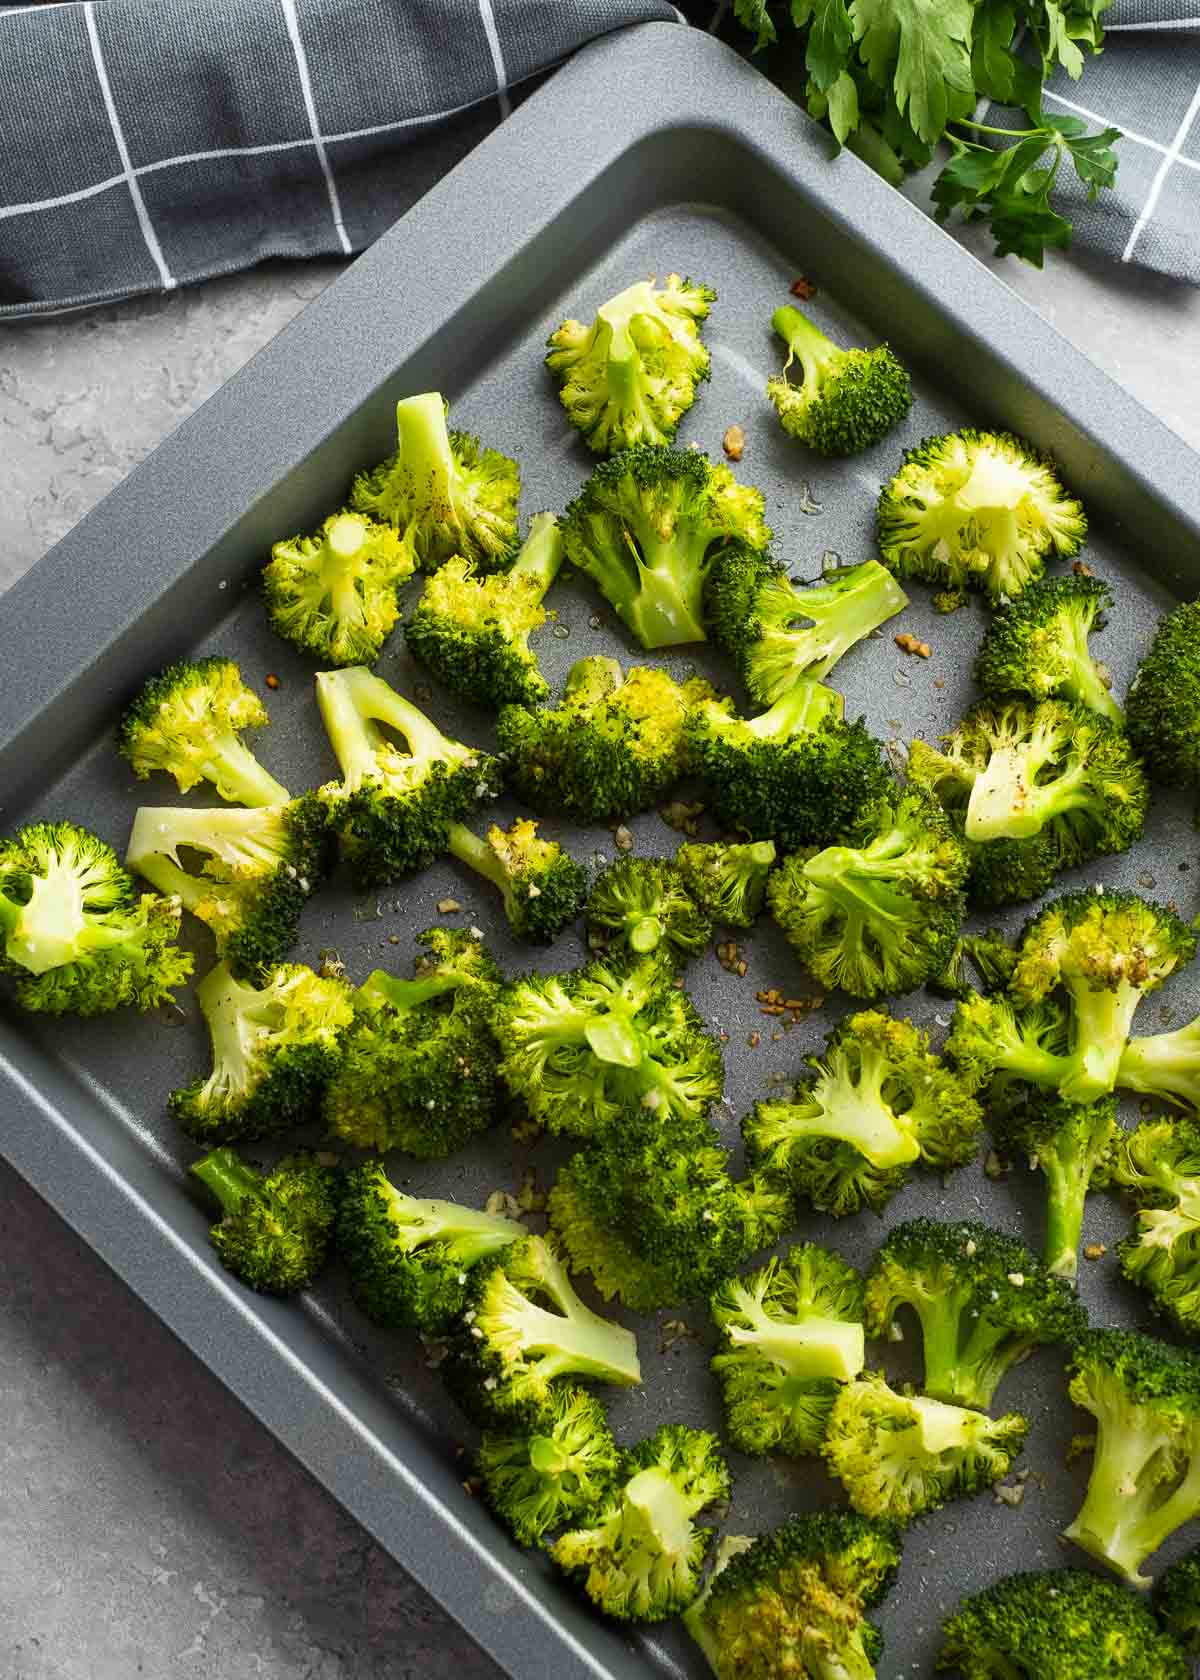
802 288
271 680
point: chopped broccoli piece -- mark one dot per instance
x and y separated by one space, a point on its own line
631 376
983 1302
729 881
542 887
443 490
989 955
791 1332
642 905
1165 1066
612 746
1145 1480
275 1229
977 509
76 937
1069 1144
640 1560
878 1103
880 914
1162 708
1038 645
1176 1601
274 1049
558 1473
393 809
188 720
1060 1623
846 400
900 1455
777 633
645 528
473 632
409 1258
1158 1166
524 1327
260 867
989 1037
334 594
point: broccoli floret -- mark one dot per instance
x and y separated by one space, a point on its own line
274 1049
1176 1601
1145 1480
1057 1624
612 746
777 633
1162 708
76 937
409 1258
900 1455
878 1103
1069 1144
977 509
880 914
260 867
797 774
1165 1066
443 490
642 905
631 376
989 1037
1038 645
419 1069
640 1559
846 400
188 720
983 1302
605 1040
791 1332
542 887
522 1328
988 955
790 1604
999 871
559 1473
276 1227
473 632
729 881
645 528
1158 1166
334 594
392 808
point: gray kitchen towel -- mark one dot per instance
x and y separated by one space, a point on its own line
148 143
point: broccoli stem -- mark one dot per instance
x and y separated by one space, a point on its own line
1002 803
1085 683
1164 1065
801 711
232 1012
468 1234
343 543
811 1349
547 1457
667 607
238 776
941 1324
656 1510
468 848
842 611
236 837
1102 1022
806 344
1068 1178
228 1177
423 453
866 1124
575 1341
542 552
1119 1521
353 702
403 995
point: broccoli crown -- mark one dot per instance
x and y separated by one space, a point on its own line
393 808
275 1228
188 720
1038 645
641 1557
274 1049
1145 1480
606 1040
1176 1600
524 1327
778 633
1158 1165
797 774
446 492
791 1332
1162 708
409 1258
880 914
473 632
642 905
899 1455
729 881
846 400
879 1102
334 594
982 1300
1057 1622
792 1602
977 509
1071 1145
989 1037
260 867
542 887
631 376
1106 950
645 528
611 747
557 1474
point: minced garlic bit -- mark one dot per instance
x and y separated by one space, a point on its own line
448 906
911 644
734 442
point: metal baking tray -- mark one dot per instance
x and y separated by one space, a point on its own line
655 150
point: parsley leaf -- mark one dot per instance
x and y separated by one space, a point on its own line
921 48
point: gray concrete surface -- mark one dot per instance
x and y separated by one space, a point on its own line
148 1525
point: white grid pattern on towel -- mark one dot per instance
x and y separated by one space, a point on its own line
1164 169
488 18
310 111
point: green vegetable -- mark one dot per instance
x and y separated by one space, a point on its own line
846 400
334 594
1163 705
542 887
275 1228
642 905
1158 1165
1176 1601
1038 645
728 881
188 720
556 1474
1070 1145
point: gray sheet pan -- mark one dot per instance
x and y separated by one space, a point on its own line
655 150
